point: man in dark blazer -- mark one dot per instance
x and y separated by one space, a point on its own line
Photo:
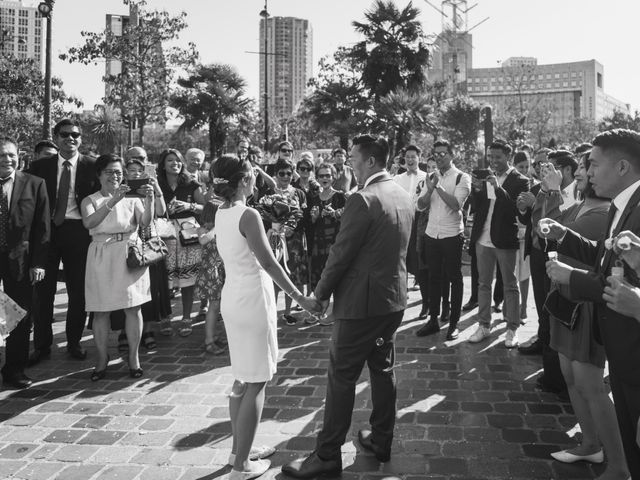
367 275
495 236
614 173
24 237
70 177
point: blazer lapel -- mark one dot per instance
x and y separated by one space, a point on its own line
18 187
631 206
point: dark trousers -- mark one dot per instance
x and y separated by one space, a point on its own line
498 288
354 342
626 398
69 243
445 255
17 343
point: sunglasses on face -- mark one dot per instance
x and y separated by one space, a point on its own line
286 150
69 134
325 175
440 154
285 174
304 169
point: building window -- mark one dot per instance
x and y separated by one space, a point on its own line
599 80
539 76
565 84
548 76
573 75
565 75
556 75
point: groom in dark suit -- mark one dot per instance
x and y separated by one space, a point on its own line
367 275
24 237
614 173
70 177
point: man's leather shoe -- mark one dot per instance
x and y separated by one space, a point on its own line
77 352
453 333
312 466
17 380
534 348
497 308
37 356
424 313
446 315
429 328
470 305
366 441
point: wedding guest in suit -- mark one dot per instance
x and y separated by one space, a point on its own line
615 173
495 234
24 238
367 274
70 177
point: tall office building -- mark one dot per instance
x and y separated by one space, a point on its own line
116 24
289 64
21 30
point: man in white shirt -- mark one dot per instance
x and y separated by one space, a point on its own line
444 194
411 181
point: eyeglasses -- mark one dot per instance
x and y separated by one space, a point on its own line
440 154
70 134
113 173
325 175
286 150
304 169
285 174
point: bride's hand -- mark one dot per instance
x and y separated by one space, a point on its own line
310 304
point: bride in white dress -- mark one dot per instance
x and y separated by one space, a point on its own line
248 306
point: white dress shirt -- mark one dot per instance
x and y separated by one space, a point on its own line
373 177
409 181
443 221
73 209
8 188
485 237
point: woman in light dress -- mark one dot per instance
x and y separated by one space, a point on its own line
248 306
113 221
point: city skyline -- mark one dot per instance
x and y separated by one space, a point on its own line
554 32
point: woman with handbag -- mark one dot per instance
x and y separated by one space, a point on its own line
159 308
582 358
113 220
184 199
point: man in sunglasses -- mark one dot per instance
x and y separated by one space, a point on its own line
70 177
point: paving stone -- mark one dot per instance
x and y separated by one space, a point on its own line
120 472
92 421
64 436
74 453
15 451
101 437
39 471
161 473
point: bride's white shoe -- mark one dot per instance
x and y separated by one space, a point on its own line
256 453
565 456
261 466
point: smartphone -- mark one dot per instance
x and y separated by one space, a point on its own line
134 185
481 173
150 170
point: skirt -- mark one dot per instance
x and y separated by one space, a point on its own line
183 263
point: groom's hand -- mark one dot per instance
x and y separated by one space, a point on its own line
324 305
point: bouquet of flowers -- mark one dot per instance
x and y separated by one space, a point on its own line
284 213
10 315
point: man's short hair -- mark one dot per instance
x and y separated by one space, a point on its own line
624 141
443 143
376 147
285 143
564 158
501 145
66 122
526 148
413 148
583 147
42 144
521 156
336 151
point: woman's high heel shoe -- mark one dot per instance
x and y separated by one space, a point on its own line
135 372
100 374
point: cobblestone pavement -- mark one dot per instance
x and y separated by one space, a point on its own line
464 411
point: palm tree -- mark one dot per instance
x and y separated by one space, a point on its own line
406 113
106 127
394 51
214 96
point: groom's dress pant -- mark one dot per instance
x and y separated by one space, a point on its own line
354 343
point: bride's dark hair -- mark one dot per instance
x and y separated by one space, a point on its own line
226 173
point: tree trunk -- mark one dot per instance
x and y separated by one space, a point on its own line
141 122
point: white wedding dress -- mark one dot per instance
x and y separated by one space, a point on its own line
248 303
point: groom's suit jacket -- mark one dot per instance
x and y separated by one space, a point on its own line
366 270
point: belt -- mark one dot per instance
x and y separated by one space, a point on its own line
113 237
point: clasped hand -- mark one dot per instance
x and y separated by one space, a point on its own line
313 305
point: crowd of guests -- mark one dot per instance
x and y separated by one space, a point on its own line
526 215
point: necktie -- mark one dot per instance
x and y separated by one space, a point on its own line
63 194
4 215
611 216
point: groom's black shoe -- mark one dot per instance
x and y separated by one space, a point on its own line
312 466
366 440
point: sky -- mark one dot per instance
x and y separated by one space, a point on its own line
224 31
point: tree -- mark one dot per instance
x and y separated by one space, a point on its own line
578 131
620 119
213 96
404 113
22 99
102 129
460 122
338 103
394 53
142 89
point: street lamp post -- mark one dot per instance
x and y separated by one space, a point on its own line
265 15
46 10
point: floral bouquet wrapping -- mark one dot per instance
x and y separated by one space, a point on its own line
10 315
284 213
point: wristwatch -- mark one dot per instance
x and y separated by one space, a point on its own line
192 206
